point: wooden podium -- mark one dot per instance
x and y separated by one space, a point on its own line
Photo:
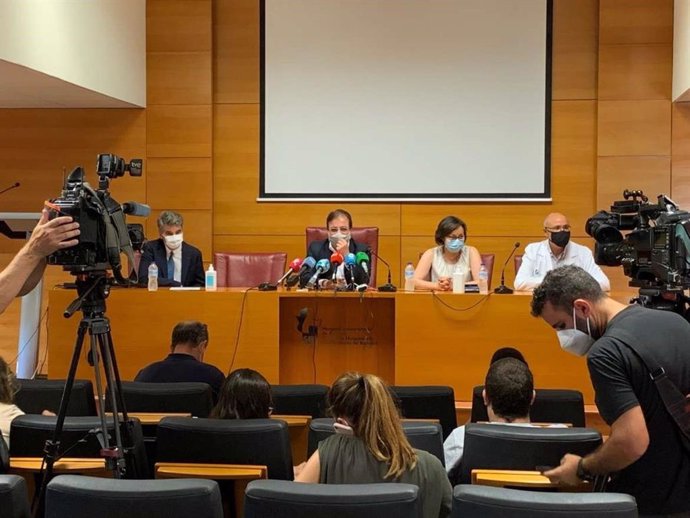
406 338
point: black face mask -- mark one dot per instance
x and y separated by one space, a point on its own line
561 238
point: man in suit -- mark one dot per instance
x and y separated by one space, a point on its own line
339 226
179 264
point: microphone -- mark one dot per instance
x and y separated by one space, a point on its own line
503 289
305 271
336 261
322 266
350 262
136 209
293 267
13 186
389 286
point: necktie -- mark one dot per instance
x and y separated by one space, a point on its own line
171 266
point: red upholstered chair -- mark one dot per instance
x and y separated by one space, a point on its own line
248 269
518 262
366 235
488 261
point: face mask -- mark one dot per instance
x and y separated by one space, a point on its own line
173 242
337 237
575 341
454 245
561 238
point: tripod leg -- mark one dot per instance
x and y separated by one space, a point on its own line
116 377
53 445
118 453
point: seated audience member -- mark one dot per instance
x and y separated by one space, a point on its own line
508 394
245 394
8 410
556 250
186 361
437 265
370 446
507 352
339 227
179 264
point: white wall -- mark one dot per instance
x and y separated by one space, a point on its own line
681 50
99 45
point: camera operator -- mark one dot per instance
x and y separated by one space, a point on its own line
645 452
26 268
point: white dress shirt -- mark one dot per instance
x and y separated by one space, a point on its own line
539 259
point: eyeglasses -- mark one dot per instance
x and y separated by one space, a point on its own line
456 236
560 228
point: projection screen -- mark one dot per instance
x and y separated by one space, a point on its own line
405 100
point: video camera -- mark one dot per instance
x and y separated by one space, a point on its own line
656 252
103 231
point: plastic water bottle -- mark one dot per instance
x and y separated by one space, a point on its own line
153 277
409 277
483 280
458 280
211 284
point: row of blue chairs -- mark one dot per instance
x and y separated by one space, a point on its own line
84 497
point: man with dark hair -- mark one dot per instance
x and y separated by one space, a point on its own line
645 450
178 262
186 361
508 394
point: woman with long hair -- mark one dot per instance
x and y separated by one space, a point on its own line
8 410
245 394
370 446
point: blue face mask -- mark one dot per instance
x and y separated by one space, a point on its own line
454 245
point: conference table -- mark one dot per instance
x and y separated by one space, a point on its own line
418 338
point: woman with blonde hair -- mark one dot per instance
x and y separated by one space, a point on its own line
8 410
370 446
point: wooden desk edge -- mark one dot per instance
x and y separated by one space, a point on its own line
212 471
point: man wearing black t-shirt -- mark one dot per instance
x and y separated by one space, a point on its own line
644 453
186 361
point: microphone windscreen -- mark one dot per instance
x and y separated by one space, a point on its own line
296 264
136 209
517 244
350 259
336 259
309 262
323 265
362 257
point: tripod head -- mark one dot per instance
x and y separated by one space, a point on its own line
93 287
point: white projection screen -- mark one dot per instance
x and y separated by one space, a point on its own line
405 100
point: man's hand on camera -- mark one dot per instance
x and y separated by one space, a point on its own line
50 235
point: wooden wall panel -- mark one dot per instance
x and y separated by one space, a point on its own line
178 78
634 128
196 226
574 62
186 183
236 51
635 72
178 131
680 160
178 25
635 21
652 174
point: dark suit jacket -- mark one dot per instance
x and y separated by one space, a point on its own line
192 267
321 250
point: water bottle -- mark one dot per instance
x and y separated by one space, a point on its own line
153 277
458 280
211 279
483 280
409 277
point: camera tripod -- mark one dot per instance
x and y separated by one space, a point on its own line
92 289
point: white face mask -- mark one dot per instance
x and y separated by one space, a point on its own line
575 341
173 242
334 238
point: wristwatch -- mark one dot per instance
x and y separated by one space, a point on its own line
582 473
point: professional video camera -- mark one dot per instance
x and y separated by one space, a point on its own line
656 252
103 231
